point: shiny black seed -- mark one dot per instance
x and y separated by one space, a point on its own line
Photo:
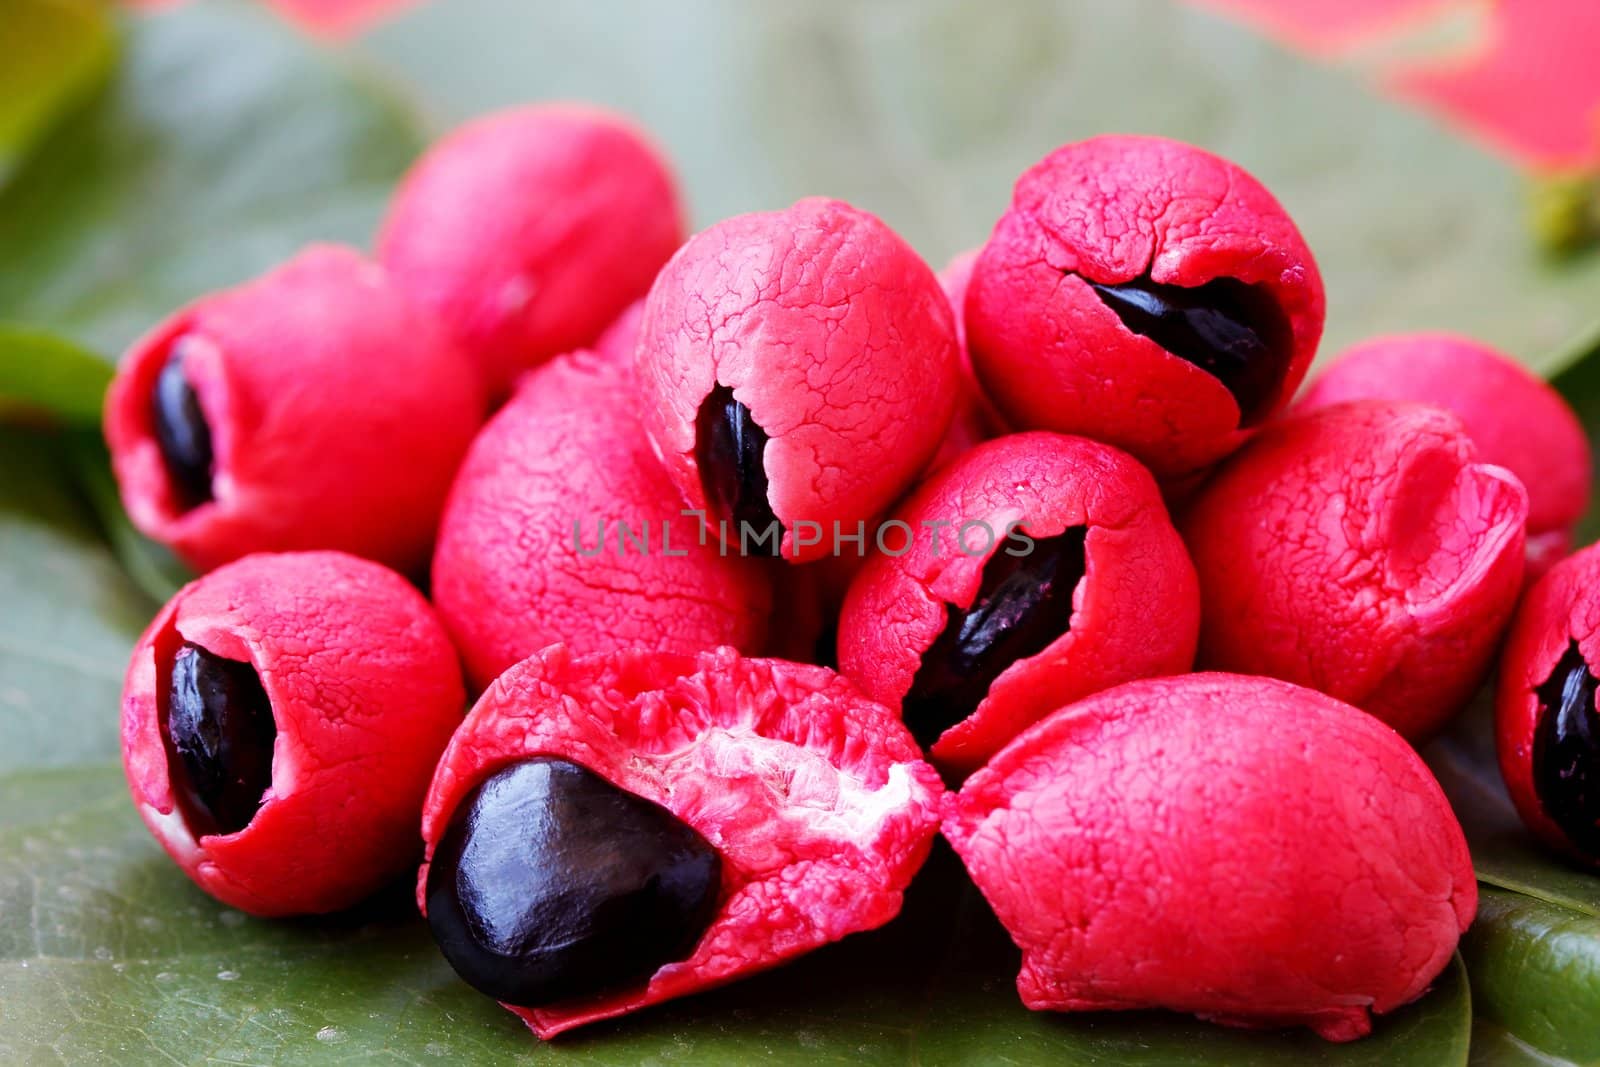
1233 331
219 732
1566 751
181 431
1023 604
551 883
729 449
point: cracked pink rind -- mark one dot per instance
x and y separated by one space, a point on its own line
1516 420
529 230
1562 607
365 690
1052 356
975 420
337 412
1135 614
834 334
1237 848
508 577
1363 551
816 799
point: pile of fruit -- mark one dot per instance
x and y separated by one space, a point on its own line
770 555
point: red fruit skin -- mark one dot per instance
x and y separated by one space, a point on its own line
975 420
1517 421
1239 848
338 414
1136 614
1363 551
527 231
1561 607
816 799
365 690
509 577
1052 356
835 335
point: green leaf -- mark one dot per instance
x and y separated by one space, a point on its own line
926 112
1536 973
152 567
42 373
56 53
223 144
68 616
121 955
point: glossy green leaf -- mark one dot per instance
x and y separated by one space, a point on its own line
925 111
1536 973
40 373
223 144
56 53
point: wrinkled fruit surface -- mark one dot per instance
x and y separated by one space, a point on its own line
1239 848
834 337
1364 551
552 883
975 634
311 408
814 799
563 527
1547 728
1516 420
281 717
1144 293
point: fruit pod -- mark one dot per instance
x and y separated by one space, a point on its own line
1038 568
529 230
563 527
312 408
1238 848
680 822
1363 551
1546 723
1516 420
975 419
280 720
799 367
1147 294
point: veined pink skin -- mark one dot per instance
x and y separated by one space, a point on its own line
338 414
1237 848
1517 421
508 576
834 334
1363 551
975 419
365 690
1136 613
815 798
529 230
1052 356
1560 608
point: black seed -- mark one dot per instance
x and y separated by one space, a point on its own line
1233 331
219 732
181 431
1566 752
1023 604
730 449
551 883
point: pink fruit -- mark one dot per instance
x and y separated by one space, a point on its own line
1239 848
